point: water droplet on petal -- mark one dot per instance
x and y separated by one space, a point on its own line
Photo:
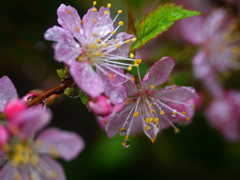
126 143
122 132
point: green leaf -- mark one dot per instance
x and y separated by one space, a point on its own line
61 73
84 98
159 21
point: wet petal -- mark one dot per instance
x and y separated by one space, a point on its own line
87 79
50 169
158 73
175 93
30 122
102 26
67 50
7 91
54 34
70 20
131 88
118 120
66 144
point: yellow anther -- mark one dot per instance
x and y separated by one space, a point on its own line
139 61
127 41
94 10
148 120
111 75
82 21
119 11
113 32
124 143
126 137
151 104
34 160
162 112
131 55
53 151
76 29
173 88
147 127
176 130
105 12
98 40
156 120
92 46
133 79
154 139
121 129
129 68
118 45
136 114
174 113
152 86
53 174
68 11
134 39
98 54
105 122
188 118
192 106
184 112
151 119
95 34
109 5
105 45
94 3
153 111
120 23
94 20
136 64
17 176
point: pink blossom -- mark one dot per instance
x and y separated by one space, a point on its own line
151 110
219 41
88 44
100 106
224 115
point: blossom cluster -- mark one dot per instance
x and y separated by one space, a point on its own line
98 62
218 37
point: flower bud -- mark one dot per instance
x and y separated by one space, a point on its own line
13 108
100 106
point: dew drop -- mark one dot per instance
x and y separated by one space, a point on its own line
126 143
122 132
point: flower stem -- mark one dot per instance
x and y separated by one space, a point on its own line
59 89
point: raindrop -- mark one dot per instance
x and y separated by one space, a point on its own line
122 132
126 143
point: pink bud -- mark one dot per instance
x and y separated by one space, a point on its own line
101 106
4 135
13 108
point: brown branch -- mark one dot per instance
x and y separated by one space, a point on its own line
59 89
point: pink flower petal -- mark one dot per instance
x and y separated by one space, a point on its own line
102 27
158 73
67 144
191 29
48 166
87 79
67 50
118 120
30 122
7 91
54 34
131 88
70 20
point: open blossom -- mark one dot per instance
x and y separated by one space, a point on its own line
88 44
219 41
223 114
24 157
152 110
